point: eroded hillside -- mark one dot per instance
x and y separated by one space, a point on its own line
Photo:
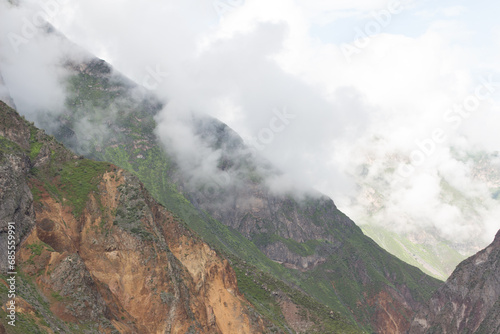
98 253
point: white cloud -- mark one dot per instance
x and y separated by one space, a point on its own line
372 110
454 11
447 12
324 11
29 60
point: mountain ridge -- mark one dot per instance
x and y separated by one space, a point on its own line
469 301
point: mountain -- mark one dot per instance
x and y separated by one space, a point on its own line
469 301
301 263
96 253
280 240
425 250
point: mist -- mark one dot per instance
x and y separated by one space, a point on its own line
350 124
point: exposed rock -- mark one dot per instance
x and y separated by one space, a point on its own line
295 317
14 128
469 301
16 200
389 304
281 253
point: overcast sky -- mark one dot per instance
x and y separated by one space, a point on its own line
319 87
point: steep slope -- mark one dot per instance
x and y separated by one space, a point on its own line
469 301
15 195
313 245
97 253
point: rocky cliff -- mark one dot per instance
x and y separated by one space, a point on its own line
469 301
15 195
96 253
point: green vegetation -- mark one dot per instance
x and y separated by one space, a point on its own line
36 249
336 283
35 145
71 181
263 291
328 295
7 147
37 195
24 324
63 177
78 179
130 212
35 150
27 323
57 296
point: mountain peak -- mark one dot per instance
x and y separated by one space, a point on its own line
496 241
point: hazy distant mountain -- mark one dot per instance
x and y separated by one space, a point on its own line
425 250
384 206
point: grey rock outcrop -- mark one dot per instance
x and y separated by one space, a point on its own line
469 301
16 200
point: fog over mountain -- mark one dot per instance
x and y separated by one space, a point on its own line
390 108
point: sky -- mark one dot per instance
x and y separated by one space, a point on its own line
368 101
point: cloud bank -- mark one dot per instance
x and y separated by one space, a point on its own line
344 124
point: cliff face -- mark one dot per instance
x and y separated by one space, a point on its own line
15 195
102 254
469 301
